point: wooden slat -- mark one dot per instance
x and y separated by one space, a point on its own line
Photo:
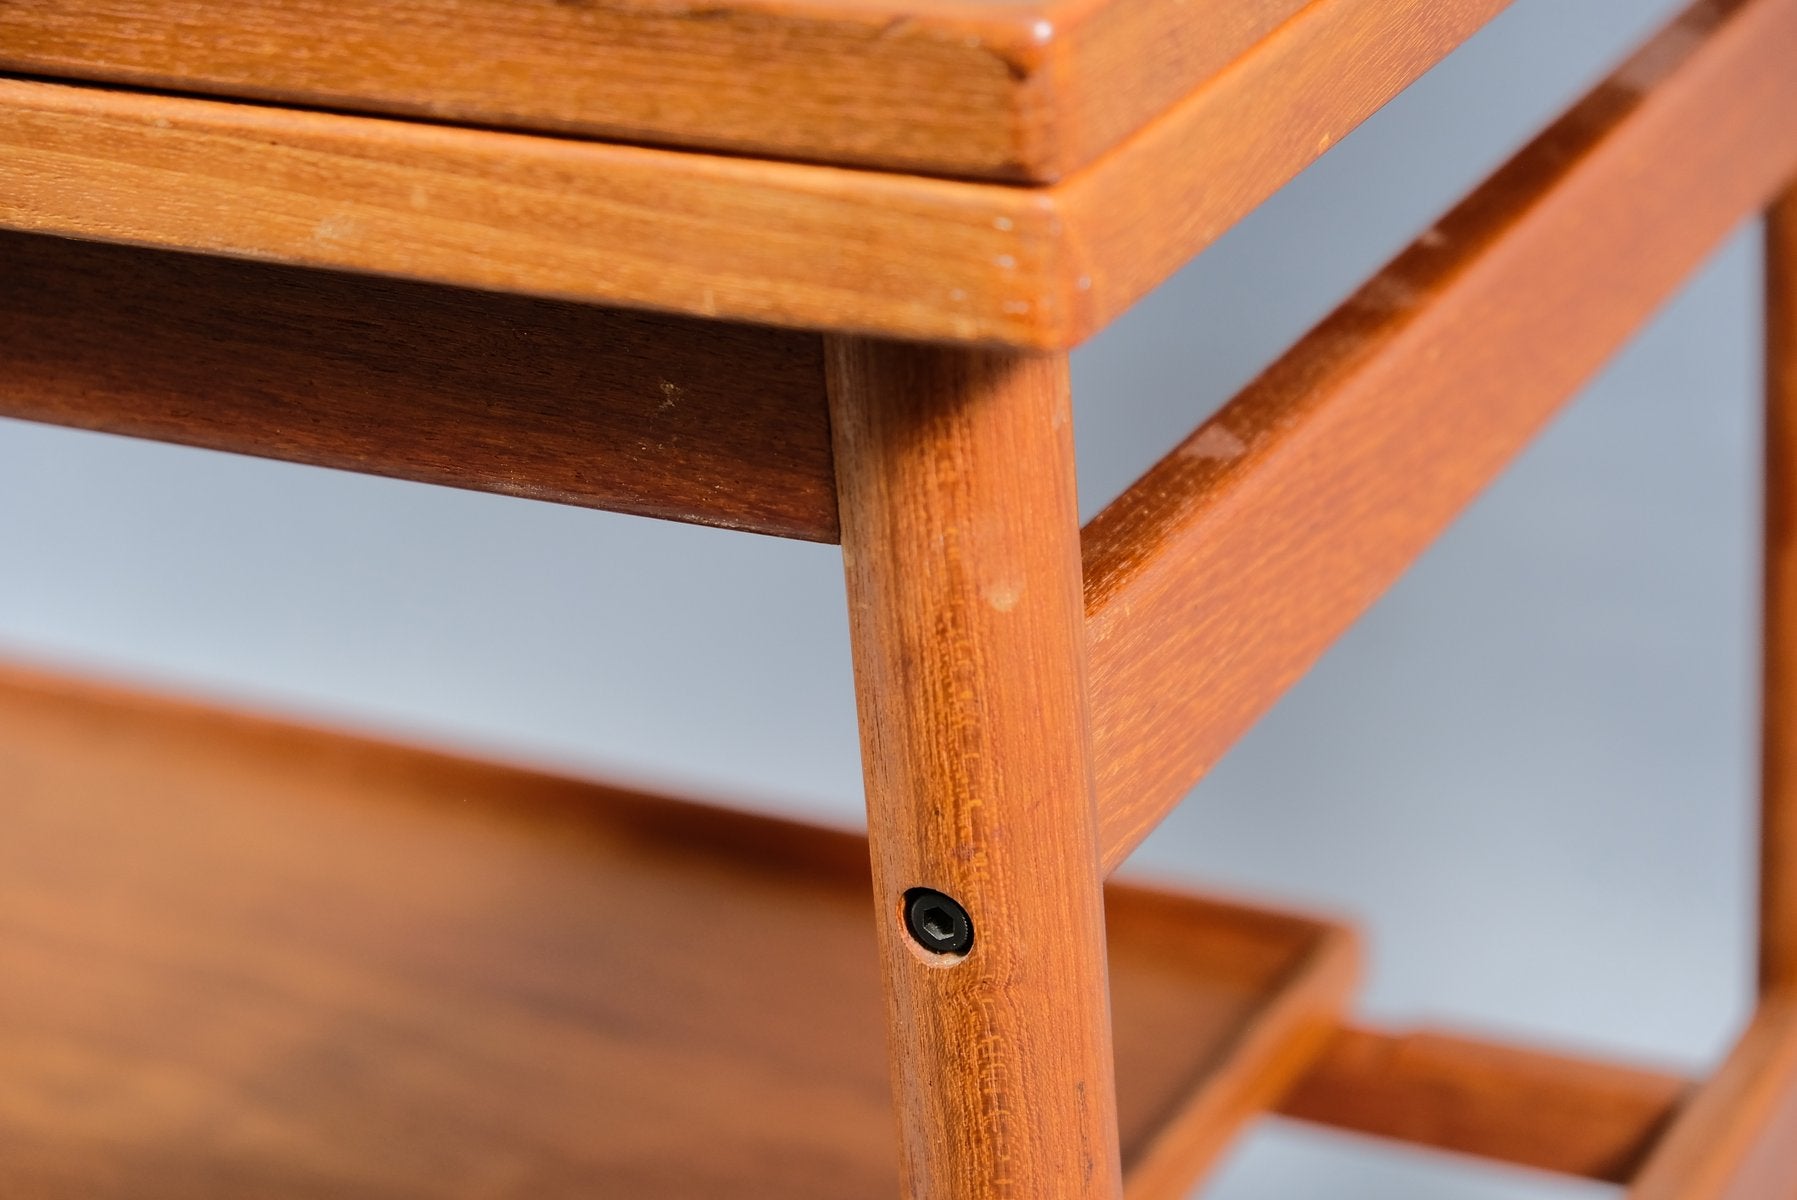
1215 581
1516 1105
773 242
1778 738
1737 1137
663 416
960 538
960 87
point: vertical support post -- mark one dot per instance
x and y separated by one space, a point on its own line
1778 746
960 535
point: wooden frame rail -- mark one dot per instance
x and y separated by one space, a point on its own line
1730 1137
1214 582
632 412
1514 1104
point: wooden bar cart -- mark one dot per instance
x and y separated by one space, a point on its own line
810 270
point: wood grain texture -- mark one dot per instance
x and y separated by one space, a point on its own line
1778 739
1216 580
993 88
772 243
1737 1137
1575 1116
960 537
777 243
248 959
661 416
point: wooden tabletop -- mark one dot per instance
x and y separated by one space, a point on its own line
998 89
770 241
777 242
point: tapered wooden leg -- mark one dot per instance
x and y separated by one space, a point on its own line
1737 1138
1778 844
960 537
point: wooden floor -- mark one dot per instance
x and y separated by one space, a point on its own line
242 959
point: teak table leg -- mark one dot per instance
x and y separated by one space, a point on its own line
960 534
1778 846
1737 1137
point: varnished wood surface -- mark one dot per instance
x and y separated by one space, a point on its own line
661 416
1737 1137
773 243
960 541
1778 741
1509 1103
999 88
1214 582
778 243
246 959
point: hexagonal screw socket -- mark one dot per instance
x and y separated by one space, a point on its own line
937 922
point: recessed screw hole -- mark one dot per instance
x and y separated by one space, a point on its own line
937 922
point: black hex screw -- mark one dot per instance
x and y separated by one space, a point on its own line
938 922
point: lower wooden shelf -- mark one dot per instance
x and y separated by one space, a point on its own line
241 958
